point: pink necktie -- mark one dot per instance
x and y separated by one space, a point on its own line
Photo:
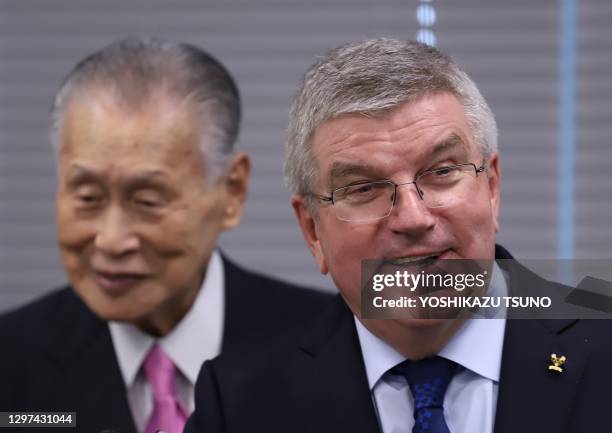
168 415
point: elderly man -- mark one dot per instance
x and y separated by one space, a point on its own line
147 180
392 154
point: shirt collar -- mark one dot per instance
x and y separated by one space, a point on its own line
203 324
485 334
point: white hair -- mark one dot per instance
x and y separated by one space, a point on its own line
134 70
374 77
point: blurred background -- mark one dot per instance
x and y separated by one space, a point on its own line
544 66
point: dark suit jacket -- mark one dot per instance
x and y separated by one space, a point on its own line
58 356
316 382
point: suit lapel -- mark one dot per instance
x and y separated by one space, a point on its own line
238 304
90 380
531 397
330 382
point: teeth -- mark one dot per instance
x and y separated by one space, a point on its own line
413 259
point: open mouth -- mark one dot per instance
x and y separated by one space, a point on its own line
413 261
421 275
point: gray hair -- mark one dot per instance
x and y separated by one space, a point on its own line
370 78
135 70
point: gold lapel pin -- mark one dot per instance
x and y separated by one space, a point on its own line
557 363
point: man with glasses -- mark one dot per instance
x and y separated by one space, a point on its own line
392 155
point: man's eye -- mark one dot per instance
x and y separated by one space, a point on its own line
361 193
443 171
443 174
361 189
88 197
148 201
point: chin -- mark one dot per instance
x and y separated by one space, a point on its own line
116 310
116 313
425 323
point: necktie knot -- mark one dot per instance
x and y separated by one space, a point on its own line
428 380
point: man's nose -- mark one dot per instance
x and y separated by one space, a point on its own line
115 235
410 215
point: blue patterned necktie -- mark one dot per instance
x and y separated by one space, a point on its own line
428 380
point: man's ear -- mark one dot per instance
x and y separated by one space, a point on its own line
236 185
494 187
309 225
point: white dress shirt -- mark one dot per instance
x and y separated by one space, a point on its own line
195 339
471 397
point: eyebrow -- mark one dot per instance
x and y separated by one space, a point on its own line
342 169
450 142
78 173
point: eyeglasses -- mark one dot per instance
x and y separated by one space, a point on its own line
371 201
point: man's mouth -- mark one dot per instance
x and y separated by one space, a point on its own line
422 267
117 283
420 260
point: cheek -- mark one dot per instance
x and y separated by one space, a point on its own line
75 238
188 237
75 235
72 232
346 246
473 227
168 238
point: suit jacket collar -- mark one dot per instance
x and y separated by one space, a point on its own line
88 357
532 397
329 382
80 348
257 307
87 364
239 306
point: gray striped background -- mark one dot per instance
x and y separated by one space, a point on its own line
510 48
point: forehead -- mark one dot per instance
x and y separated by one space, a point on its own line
101 130
432 124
